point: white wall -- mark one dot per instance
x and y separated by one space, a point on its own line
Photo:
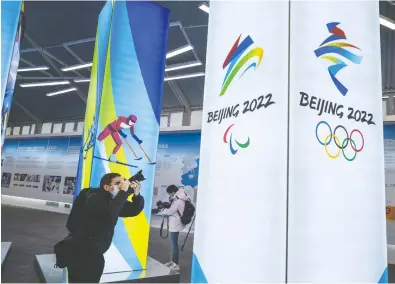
46 128
196 118
176 119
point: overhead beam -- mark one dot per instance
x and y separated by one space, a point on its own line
79 93
53 57
74 55
50 78
180 95
26 111
32 65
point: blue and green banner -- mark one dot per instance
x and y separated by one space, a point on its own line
123 114
11 34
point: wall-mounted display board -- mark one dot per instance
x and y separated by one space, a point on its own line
389 162
40 168
46 168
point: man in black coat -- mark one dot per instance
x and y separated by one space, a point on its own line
92 221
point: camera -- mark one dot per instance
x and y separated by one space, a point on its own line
137 177
160 206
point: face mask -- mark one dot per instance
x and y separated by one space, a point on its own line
115 191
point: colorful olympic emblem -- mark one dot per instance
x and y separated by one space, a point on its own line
235 65
335 49
341 146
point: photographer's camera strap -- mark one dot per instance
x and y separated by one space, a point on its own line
165 218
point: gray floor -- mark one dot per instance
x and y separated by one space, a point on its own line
35 232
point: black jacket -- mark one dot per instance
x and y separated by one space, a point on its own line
95 213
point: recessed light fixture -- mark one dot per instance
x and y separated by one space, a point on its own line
38 68
178 51
183 65
387 22
204 7
81 80
184 76
78 66
43 84
61 92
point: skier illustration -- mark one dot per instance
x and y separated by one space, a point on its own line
115 129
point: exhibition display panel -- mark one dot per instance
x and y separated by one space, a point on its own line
243 153
336 158
123 108
295 89
292 169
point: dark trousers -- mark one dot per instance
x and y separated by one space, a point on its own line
86 266
174 246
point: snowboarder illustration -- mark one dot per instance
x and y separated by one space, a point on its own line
115 129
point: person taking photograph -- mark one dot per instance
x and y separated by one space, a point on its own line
178 197
91 225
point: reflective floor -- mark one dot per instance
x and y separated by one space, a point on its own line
35 232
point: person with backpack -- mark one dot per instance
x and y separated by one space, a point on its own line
91 225
177 221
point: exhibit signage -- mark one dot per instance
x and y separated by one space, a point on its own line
124 127
240 231
30 167
177 162
336 221
389 159
40 168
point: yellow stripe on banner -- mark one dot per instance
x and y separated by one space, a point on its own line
143 273
136 227
90 112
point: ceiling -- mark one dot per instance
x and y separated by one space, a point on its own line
50 24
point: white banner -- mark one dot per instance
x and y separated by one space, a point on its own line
240 232
336 183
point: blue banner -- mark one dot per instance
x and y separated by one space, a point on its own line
12 67
10 11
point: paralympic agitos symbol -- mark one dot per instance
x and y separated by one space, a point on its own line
231 144
334 45
340 146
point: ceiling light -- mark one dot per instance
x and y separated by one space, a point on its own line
204 8
42 84
387 22
81 80
38 68
184 76
61 92
78 66
178 51
386 97
183 65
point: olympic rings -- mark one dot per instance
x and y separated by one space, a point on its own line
326 148
334 133
340 146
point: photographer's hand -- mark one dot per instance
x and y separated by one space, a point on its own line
136 186
124 185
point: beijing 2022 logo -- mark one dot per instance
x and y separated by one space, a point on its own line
233 57
334 45
235 62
